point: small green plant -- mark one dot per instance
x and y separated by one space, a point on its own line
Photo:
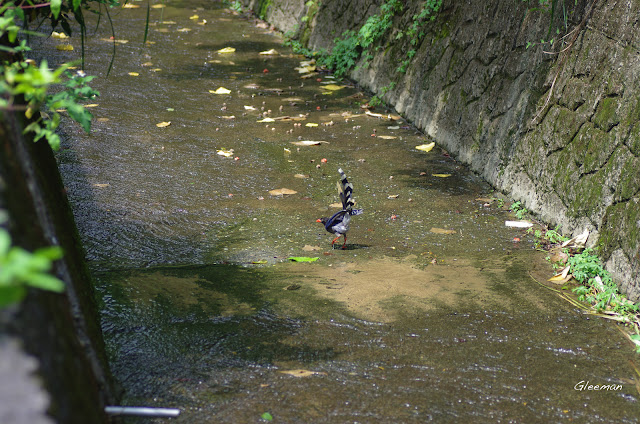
597 287
376 100
554 236
20 269
519 210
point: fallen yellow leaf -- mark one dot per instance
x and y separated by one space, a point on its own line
91 105
157 6
302 373
426 147
270 52
310 124
194 17
131 6
387 137
333 87
134 74
60 35
163 124
249 108
101 185
227 50
267 120
64 47
184 30
442 231
220 90
281 192
225 152
441 175
308 143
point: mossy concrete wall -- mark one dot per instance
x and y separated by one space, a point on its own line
476 89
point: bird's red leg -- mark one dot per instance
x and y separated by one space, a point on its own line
334 240
344 246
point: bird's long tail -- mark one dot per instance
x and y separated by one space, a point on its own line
345 189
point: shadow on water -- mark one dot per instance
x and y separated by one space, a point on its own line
430 314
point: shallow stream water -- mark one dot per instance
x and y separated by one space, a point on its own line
431 313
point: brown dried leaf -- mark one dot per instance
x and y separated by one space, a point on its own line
282 192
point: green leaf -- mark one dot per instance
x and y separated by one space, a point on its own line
55 8
266 416
302 259
45 282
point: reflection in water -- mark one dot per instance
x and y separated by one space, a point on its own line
430 314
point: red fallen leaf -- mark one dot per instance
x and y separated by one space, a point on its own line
317 107
516 239
265 70
323 160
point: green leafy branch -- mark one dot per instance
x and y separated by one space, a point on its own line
21 78
20 269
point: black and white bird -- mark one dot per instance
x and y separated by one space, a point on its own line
338 224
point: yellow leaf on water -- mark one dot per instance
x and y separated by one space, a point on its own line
310 124
134 74
305 69
225 152
282 192
308 142
64 47
111 40
333 87
302 373
441 175
426 147
220 90
163 124
270 52
194 17
442 231
227 50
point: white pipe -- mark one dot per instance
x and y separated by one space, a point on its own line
141 411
